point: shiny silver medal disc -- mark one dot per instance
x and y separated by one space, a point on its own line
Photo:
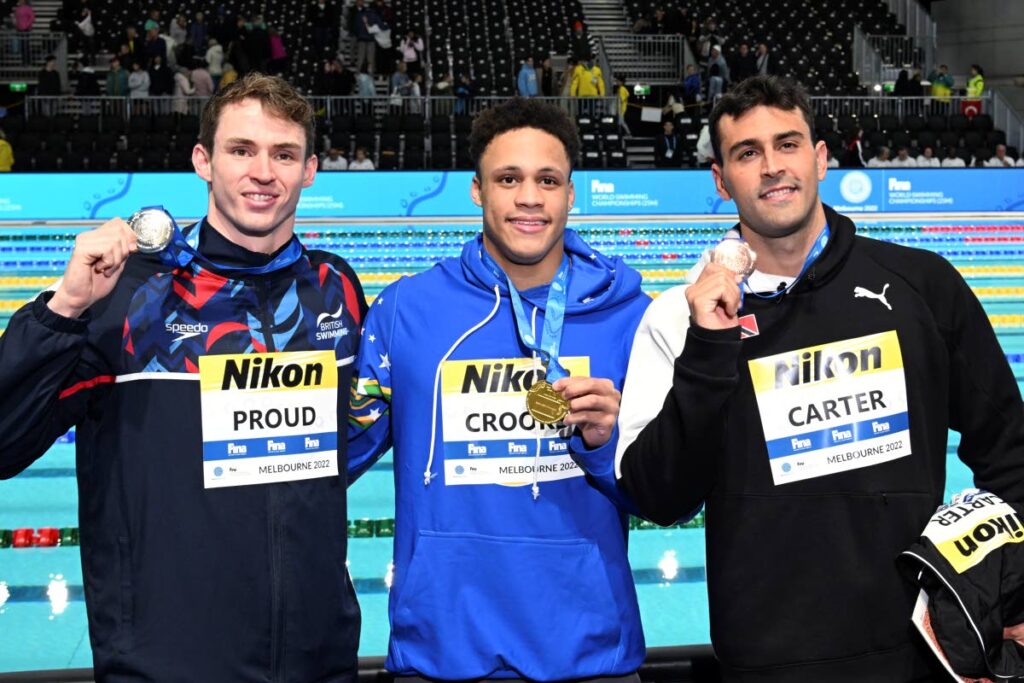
153 229
736 255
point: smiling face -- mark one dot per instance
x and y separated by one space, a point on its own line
255 173
525 190
771 168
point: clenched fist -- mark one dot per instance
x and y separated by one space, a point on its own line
95 266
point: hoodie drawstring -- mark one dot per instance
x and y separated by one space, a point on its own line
437 380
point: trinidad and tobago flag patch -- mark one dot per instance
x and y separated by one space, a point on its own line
748 326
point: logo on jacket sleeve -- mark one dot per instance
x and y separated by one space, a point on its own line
861 292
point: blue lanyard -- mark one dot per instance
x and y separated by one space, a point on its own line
184 248
812 256
554 316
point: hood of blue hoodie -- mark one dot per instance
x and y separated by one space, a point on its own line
595 281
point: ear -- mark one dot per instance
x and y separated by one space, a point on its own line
476 191
572 194
821 158
309 172
201 160
717 174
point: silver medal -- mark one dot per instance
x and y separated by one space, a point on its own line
736 255
153 229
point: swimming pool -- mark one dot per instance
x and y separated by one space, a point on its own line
42 615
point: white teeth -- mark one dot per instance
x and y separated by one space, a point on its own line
260 197
776 193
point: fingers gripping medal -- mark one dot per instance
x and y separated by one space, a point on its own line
736 255
153 229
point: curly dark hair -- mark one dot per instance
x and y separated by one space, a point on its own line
769 91
521 112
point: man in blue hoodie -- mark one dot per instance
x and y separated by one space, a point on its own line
510 564
527 79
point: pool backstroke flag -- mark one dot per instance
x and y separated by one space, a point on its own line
833 407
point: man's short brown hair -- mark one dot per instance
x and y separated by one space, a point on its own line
274 93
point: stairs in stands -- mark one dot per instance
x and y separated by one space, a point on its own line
608 20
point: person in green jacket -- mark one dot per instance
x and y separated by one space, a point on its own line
117 80
942 83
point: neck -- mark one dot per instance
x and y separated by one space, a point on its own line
266 243
528 275
786 255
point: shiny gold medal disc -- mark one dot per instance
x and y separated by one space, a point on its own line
545 404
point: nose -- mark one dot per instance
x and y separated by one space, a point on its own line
260 168
529 194
771 163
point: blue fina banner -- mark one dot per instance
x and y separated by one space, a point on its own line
445 194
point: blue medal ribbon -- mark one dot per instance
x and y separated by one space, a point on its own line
554 316
184 248
812 256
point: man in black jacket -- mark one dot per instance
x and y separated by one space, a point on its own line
807 409
206 383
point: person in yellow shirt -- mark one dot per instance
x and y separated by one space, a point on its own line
229 76
6 153
976 83
623 94
587 80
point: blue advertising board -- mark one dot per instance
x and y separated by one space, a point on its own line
385 194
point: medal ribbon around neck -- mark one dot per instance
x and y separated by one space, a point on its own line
812 256
554 316
184 248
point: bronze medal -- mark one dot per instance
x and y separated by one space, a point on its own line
545 404
736 255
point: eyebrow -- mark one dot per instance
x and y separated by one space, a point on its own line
517 169
750 142
247 141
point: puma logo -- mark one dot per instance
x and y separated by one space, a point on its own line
859 292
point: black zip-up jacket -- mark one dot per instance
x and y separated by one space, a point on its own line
182 583
802 579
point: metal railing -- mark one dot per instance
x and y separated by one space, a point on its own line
903 51
921 27
22 55
1006 119
835 107
867 62
325 107
649 59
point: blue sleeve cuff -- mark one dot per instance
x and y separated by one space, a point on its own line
597 462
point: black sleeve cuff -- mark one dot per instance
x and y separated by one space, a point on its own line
55 321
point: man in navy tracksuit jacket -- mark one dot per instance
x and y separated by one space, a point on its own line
203 383
509 562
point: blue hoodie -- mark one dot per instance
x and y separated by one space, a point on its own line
527 81
509 562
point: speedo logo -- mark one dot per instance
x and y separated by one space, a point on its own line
809 367
499 378
186 330
259 373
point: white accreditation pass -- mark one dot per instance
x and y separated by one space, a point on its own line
489 435
269 417
834 407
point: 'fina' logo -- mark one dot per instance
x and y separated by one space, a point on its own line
855 187
597 187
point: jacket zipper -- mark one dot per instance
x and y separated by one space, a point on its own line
274 535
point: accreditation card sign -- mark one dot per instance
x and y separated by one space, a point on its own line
834 407
269 417
489 436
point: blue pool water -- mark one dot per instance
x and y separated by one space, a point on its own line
42 616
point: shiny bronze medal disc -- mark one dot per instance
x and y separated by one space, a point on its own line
545 404
736 255
153 229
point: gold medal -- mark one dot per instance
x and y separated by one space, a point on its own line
545 404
